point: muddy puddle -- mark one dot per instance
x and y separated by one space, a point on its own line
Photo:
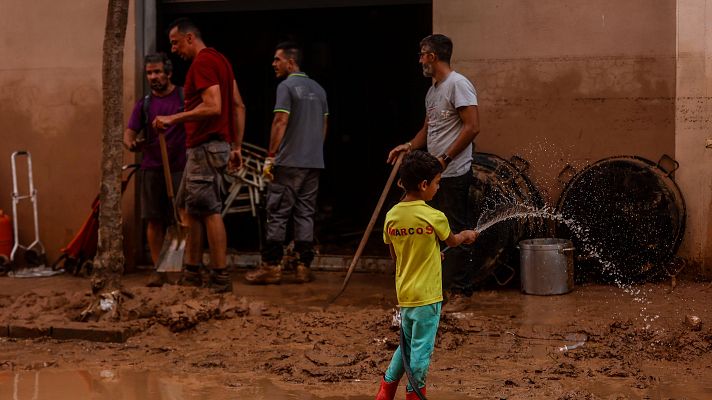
147 385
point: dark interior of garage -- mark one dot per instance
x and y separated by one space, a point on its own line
366 59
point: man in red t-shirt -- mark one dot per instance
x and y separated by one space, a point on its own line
214 120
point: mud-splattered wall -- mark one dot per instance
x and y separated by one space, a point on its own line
51 106
693 127
567 81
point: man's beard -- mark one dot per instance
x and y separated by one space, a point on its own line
159 87
427 70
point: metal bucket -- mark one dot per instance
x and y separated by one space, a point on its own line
547 266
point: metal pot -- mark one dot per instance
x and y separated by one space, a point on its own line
547 266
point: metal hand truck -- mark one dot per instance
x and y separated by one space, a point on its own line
35 252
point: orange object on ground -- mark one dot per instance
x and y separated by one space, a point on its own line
5 234
83 246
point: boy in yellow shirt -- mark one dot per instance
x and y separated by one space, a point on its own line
413 230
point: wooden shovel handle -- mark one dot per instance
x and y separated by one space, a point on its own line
167 173
370 226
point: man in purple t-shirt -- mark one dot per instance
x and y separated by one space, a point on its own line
165 99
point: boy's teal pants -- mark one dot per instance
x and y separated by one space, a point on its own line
419 325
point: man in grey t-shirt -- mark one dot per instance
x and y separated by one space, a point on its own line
450 127
294 160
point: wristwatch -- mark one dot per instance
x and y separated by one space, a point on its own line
446 158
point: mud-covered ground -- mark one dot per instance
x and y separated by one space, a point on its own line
639 343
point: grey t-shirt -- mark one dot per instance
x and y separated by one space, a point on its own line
303 142
444 123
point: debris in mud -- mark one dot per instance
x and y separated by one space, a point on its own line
615 372
180 309
450 342
185 316
396 321
329 356
693 322
624 341
387 342
578 395
209 364
229 308
566 369
256 308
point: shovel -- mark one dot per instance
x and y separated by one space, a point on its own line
171 257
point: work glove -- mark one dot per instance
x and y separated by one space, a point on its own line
137 145
267 169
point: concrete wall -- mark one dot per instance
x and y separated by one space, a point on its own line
567 81
51 106
693 126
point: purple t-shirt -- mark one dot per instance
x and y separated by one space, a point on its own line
175 135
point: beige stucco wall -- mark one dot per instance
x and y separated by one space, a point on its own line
567 81
50 97
693 126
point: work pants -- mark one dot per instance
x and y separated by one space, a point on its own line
292 194
453 200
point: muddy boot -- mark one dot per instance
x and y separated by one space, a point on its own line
303 273
264 274
157 279
191 276
413 395
219 281
387 391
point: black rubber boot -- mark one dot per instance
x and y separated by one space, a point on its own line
220 281
191 276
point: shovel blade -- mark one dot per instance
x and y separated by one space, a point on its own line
171 257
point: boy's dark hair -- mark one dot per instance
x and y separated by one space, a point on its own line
184 26
291 50
439 44
155 58
418 166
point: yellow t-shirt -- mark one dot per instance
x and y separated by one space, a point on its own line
414 229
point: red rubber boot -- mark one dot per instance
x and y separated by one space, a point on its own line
387 391
413 395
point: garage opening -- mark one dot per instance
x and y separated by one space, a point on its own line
365 57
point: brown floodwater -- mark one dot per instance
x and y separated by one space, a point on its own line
147 385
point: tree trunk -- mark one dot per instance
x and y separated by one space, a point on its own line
109 261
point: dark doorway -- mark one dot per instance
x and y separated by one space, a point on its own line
366 59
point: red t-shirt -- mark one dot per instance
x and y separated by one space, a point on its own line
209 68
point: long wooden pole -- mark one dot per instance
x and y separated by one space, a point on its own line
370 226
